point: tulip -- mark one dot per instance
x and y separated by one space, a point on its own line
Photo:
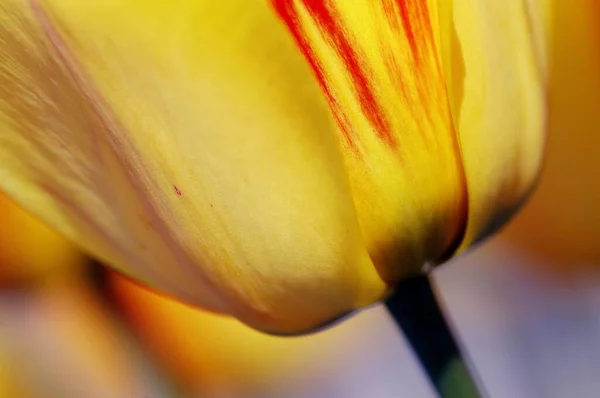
286 161
561 223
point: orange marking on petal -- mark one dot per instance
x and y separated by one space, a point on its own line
288 13
379 65
329 22
411 22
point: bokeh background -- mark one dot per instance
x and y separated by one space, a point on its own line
525 304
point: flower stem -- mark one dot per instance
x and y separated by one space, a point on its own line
417 313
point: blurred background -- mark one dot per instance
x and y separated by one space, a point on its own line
525 304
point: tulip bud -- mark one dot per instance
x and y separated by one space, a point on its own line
281 161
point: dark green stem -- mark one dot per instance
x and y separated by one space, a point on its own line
416 311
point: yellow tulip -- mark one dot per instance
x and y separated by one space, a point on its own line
562 221
282 161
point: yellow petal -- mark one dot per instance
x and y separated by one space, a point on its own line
496 61
187 144
379 65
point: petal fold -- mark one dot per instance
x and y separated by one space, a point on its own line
496 62
379 64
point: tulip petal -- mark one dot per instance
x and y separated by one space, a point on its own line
496 60
379 65
187 144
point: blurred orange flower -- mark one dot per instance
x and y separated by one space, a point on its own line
562 220
29 250
207 350
57 337
11 385
66 343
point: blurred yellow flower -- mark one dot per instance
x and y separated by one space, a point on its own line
11 384
281 161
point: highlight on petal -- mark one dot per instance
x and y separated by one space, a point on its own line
187 144
496 61
379 65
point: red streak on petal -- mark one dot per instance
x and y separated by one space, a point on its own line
409 29
287 12
329 23
416 30
177 191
